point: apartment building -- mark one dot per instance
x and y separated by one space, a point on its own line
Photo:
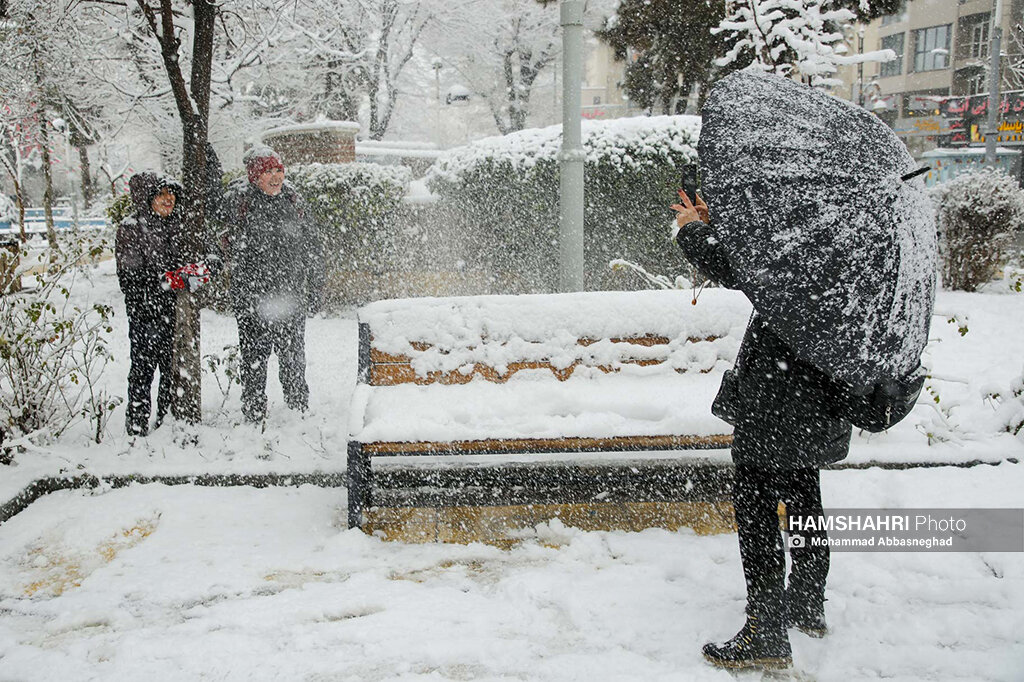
935 93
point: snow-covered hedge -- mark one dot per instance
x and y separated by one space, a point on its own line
355 203
981 212
501 196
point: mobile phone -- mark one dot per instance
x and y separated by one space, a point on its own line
690 182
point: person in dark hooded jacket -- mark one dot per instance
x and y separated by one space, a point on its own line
789 420
147 247
277 274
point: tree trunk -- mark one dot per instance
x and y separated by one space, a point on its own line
44 144
188 331
20 198
83 161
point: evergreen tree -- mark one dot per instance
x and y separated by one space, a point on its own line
795 38
669 48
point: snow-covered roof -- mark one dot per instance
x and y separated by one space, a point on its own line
317 126
942 152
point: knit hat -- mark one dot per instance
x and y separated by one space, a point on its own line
260 160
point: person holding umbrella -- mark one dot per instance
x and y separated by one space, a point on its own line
817 222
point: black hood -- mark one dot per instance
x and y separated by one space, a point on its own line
147 184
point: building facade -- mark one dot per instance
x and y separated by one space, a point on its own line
935 93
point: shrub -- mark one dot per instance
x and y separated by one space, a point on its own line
120 208
980 214
52 352
356 205
501 197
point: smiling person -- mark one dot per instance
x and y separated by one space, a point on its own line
146 247
277 272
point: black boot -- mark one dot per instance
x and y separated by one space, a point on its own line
758 645
806 615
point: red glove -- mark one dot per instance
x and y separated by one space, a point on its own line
173 280
193 275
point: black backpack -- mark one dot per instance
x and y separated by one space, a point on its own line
883 405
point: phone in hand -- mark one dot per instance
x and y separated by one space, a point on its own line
690 182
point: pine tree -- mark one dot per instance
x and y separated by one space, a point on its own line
674 46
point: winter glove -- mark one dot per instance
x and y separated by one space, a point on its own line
193 276
173 281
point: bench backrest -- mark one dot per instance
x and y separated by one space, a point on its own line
459 339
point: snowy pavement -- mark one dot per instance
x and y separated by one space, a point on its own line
182 583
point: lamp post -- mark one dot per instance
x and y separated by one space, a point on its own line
992 126
436 65
860 67
62 126
570 229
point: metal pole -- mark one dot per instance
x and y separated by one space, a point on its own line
570 232
71 178
992 127
860 68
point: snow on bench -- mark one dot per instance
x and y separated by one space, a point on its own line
560 373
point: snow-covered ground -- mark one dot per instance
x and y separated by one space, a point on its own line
191 583
175 583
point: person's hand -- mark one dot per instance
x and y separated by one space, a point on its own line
687 212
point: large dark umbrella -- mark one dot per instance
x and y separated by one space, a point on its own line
830 244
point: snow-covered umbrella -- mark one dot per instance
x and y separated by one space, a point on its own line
832 242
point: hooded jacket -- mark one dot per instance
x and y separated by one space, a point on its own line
274 248
148 245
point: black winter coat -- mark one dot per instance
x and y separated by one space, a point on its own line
147 246
275 252
787 413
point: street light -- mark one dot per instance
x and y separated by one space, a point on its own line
62 126
437 64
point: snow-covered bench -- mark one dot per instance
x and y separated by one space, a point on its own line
561 373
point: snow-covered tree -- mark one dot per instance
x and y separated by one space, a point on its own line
799 38
673 45
500 48
38 78
344 60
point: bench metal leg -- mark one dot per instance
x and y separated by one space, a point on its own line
358 483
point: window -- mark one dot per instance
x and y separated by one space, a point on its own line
976 84
895 67
896 18
931 48
973 36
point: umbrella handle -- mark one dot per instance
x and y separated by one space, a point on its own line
913 174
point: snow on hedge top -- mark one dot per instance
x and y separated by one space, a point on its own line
446 334
331 176
628 142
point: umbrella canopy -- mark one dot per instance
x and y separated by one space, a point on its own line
828 242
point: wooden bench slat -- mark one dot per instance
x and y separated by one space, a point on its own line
550 445
649 341
395 373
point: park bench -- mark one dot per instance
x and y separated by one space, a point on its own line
445 384
63 221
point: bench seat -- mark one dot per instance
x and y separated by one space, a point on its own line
538 406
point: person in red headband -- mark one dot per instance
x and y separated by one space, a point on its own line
277 272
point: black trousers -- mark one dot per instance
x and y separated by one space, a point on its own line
151 338
257 339
756 497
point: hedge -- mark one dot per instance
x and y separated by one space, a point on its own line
500 196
